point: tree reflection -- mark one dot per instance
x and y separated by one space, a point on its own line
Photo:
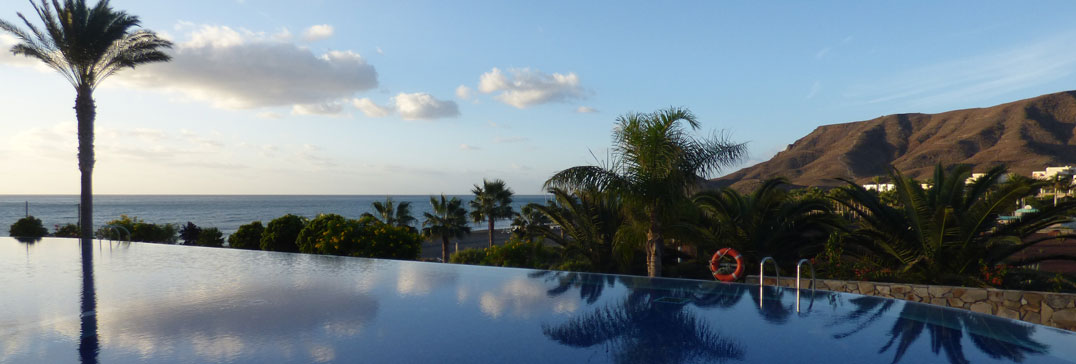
996 337
88 346
651 325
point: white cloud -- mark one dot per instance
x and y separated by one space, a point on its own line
468 147
524 87
822 53
423 106
379 51
817 86
6 42
413 106
464 92
332 108
270 115
585 110
370 108
240 69
318 32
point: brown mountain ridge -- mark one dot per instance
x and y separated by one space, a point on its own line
1024 135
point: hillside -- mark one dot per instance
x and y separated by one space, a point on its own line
1024 135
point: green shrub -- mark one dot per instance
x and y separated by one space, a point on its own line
521 254
210 237
140 230
28 227
248 236
468 256
281 233
335 235
189 233
67 231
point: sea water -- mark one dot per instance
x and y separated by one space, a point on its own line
226 213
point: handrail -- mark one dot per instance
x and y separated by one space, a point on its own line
813 281
762 276
118 229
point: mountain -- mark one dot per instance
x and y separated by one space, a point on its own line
1024 135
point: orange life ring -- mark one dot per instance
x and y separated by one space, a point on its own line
736 275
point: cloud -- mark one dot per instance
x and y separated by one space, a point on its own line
318 32
332 108
585 110
423 106
822 53
270 115
6 42
975 78
817 86
464 92
240 69
468 147
410 106
524 87
370 108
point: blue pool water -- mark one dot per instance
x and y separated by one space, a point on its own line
180 304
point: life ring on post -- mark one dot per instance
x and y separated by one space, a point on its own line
716 268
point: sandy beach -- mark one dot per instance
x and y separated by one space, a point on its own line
477 239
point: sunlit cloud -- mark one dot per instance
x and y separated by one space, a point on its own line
524 87
332 108
464 92
586 110
410 106
239 69
468 147
318 32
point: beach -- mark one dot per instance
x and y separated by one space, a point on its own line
477 239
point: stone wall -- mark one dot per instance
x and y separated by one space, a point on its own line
1044 308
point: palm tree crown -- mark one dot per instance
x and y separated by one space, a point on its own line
448 220
656 164
492 201
86 45
392 213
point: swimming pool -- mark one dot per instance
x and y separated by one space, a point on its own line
162 303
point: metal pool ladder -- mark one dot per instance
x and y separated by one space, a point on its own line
813 282
762 276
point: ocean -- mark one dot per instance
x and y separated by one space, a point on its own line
224 212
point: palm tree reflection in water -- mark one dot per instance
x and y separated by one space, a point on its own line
650 325
88 346
996 337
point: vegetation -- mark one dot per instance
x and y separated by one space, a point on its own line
656 165
492 201
138 230
514 253
281 233
589 222
66 231
389 212
189 233
211 237
28 227
529 224
248 236
86 45
449 220
367 237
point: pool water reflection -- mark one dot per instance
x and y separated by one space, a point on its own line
161 303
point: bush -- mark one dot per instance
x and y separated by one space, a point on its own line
335 235
248 236
67 231
468 256
28 227
189 233
281 233
140 231
521 254
210 237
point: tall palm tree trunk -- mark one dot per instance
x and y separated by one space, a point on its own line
444 249
85 112
491 232
654 247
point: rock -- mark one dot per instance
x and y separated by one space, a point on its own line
1007 313
939 302
1064 318
882 289
1033 317
920 291
1012 305
974 295
1046 312
1030 308
901 289
939 291
995 295
866 288
1033 299
956 302
958 292
1012 295
982 307
1057 301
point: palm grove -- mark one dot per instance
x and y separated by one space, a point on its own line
620 215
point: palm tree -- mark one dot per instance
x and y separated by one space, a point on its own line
86 45
656 165
528 224
448 220
768 222
1061 184
391 213
589 223
946 233
492 201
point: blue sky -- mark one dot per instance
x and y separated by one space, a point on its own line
423 97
